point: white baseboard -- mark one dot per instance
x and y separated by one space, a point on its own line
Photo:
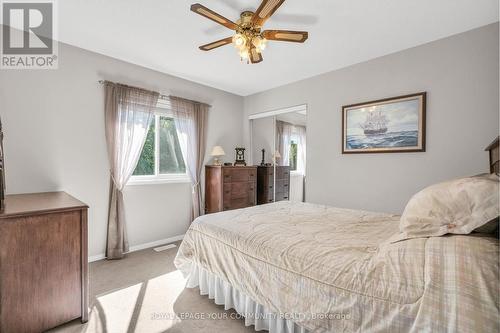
156 243
97 257
141 246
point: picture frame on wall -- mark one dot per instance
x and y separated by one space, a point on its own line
390 125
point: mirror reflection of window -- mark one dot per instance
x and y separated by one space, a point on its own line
291 145
283 137
293 156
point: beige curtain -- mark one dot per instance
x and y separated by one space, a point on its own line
191 121
128 114
284 132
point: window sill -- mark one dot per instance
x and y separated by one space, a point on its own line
137 181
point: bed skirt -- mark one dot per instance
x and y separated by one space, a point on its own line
253 313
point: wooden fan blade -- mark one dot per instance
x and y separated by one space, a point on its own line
265 10
214 45
255 57
210 14
286 35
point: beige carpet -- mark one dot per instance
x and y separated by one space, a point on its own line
145 293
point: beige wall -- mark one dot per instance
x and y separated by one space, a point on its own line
54 139
460 75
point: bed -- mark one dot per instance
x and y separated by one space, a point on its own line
299 267
291 267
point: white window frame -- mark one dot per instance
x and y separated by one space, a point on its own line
157 178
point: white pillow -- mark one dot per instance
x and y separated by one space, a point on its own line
454 207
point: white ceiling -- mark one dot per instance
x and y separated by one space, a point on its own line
164 35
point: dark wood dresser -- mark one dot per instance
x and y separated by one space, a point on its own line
265 184
229 187
43 262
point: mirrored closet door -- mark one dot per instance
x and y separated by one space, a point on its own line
278 149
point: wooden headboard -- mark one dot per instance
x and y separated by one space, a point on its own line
493 151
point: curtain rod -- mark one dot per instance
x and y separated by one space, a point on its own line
162 96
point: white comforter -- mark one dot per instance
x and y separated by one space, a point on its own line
333 270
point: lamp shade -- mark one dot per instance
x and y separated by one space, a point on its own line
277 154
217 151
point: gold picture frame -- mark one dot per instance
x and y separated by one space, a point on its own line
390 125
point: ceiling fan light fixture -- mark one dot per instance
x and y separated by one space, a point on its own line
249 39
259 42
239 41
244 54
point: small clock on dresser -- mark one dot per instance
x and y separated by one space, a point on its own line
240 157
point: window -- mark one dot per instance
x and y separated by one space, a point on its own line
161 160
293 155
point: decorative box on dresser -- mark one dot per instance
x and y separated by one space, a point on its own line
43 262
229 187
266 186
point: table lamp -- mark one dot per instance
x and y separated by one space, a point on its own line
276 157
217 151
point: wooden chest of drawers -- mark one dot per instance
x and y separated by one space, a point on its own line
43 262
228 187
266 186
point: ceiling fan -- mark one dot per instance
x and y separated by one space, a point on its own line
248 38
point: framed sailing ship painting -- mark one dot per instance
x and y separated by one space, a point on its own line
391 125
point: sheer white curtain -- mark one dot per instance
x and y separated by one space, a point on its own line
300 134
128 114
191 122
284 133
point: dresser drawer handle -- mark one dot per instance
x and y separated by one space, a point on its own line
227 192
251 175
285 197
285 185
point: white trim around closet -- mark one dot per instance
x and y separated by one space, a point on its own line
297 108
